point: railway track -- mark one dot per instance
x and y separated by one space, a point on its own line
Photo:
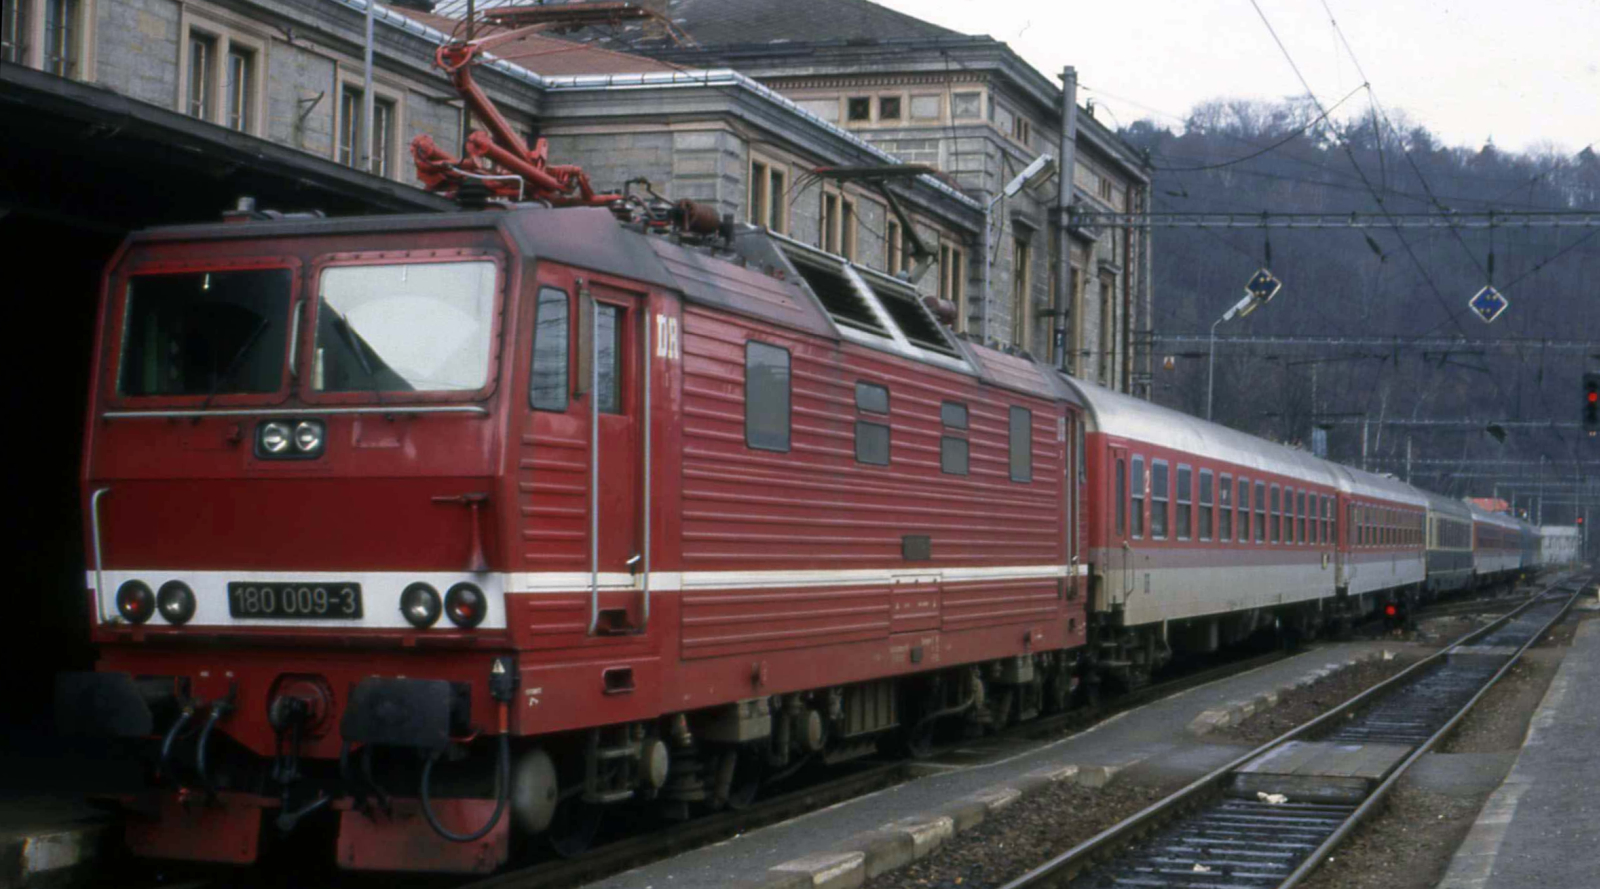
633 851
1225 830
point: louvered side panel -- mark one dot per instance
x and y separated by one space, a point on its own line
553 489
981 603
728 622
816 507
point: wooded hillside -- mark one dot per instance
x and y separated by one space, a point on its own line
1249 157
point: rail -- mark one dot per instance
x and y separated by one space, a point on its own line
1100 848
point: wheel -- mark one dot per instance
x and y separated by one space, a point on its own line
919 739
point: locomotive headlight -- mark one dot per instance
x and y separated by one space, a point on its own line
176 602
308 436
135 601
466 605
273 438
420 605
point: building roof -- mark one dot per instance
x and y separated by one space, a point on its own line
717 22
550 56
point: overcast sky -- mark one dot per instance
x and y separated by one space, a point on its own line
1524 73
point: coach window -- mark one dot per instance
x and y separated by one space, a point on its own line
1185 497
1327 511
1207 486
1244 510
1288 515
872 439
1122 496
1160 482
1300 516
953 448
766 397
1225 508
1261 512
548 389
1021 444
1136 488
1277 514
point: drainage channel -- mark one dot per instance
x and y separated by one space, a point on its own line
1266 819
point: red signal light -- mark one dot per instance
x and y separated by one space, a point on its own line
1390 611
1594 396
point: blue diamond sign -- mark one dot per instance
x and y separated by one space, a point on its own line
1263 285
1488 304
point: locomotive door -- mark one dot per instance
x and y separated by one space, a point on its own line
595 419
1119 580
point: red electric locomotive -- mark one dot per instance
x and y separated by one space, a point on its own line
581 514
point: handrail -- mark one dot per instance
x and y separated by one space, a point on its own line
99 559
594 466
298 411
647 379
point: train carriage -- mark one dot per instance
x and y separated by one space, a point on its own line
1449 545
1382 559
1497 546
1199 534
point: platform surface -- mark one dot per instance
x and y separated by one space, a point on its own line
1541 828
1156 737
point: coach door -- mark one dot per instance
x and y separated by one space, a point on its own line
588 438
1119 580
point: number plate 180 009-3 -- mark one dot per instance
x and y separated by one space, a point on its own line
295 601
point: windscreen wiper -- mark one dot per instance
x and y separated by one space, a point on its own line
235 362
353 342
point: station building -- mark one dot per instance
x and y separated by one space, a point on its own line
121 114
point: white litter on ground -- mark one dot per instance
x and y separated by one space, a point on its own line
1271 799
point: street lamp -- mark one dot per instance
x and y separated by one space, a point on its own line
1261 289
1031 175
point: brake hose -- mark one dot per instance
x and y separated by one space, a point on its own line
502 796
172 736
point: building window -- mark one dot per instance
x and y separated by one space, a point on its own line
547 390
1021 444
1021 266
202 72
966 106
757 207
839 225
14 31
1136 489
1160 483
858 109
1206 496
894 249
888 107
925 107
382 145
777 200
766 397
62 42
1185 514
1022 130
847 229
953 282
1105 189
240 87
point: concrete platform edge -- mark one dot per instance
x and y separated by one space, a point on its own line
900 842
1235 712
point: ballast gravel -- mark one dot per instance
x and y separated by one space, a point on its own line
1303 704
1025 834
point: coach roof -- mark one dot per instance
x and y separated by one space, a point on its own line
1123 416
